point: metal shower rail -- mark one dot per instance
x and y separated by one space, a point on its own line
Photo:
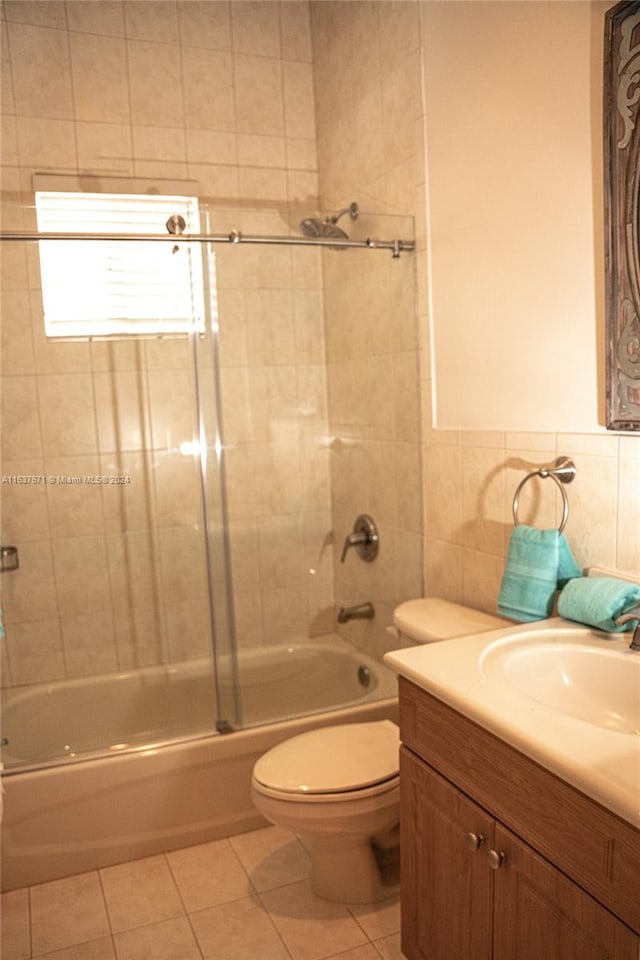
235 236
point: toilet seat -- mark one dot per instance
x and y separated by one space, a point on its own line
359 759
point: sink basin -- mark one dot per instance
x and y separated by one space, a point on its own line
590 681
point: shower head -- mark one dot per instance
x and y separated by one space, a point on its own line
312 227
327 228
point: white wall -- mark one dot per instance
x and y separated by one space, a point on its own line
514 175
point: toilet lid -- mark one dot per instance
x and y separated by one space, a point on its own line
337 759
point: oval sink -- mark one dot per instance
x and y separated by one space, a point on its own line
595 684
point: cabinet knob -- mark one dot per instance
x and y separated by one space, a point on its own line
496 858
474 841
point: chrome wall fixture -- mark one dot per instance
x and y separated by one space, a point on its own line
362 611
562 471
9 559
364 537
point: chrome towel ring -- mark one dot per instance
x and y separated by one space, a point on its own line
562 471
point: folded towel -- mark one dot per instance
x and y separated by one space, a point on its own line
539 562
598 601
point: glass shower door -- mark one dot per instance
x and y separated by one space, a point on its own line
110 612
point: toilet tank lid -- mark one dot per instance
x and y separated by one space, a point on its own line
335 759
431 618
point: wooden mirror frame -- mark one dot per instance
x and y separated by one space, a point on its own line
622 213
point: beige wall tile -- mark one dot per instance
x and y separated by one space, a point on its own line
41 13
25 514
483 499
215 181
29 592
205 25
40 67
257 151
122 412
67 414
101 16
259 101
134 570
255 28
99 69
155 84
188 630
17 342
89 643
21 434
47 143
295 31
75 508
35 652
628 520
130 505
400 29
177 483
285 614
211 147
183 563
248 619
301 154
159 143
210 71
105 147
6 80
262 185
9 142
140 635
82 584
281 551
592 518
149 20
298 100
171 408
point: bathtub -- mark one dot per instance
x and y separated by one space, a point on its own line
118 783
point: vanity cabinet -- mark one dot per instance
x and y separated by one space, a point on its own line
501 860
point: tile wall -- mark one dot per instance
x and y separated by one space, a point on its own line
218 95
373 144
367 64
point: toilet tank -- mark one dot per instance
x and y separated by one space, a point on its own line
428 619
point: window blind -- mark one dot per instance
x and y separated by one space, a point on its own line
102 288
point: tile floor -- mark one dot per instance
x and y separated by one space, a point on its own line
243 898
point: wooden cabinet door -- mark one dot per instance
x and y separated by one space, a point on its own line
542 915
446 886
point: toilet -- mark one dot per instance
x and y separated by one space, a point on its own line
339 785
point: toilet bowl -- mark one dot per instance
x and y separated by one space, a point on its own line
340 785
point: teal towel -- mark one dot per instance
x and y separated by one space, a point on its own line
539 562
598 601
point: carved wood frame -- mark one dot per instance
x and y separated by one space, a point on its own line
622 213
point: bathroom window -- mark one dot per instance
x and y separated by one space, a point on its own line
99 288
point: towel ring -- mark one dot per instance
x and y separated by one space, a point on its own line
562 474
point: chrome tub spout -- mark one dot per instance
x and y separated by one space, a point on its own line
362 611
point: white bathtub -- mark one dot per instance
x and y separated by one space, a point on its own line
95 773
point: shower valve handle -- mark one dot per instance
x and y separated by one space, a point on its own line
364 538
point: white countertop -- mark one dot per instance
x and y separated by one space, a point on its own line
604 764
